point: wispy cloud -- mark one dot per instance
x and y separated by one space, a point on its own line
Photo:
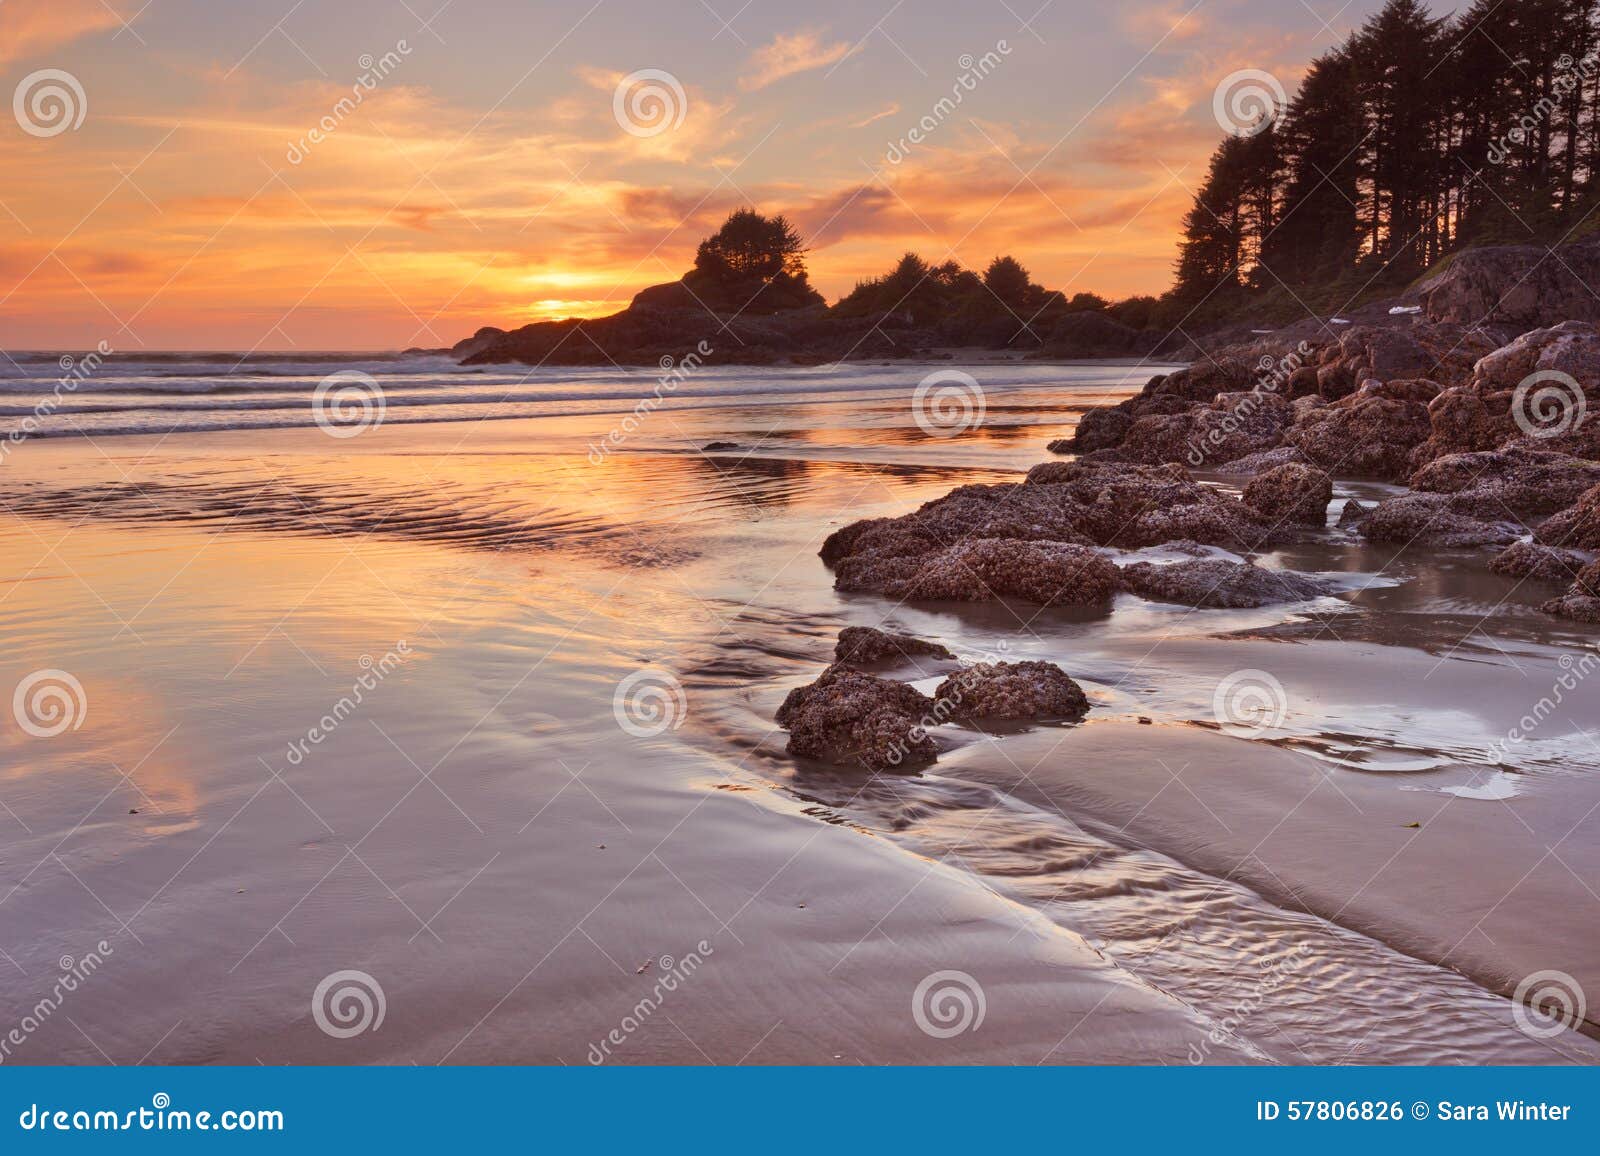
877 116
29 29
789 55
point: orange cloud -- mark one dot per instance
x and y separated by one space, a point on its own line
26 30
789 55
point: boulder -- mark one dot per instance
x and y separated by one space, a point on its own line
986 569
1572 348
1427 519
1362 436
1013 690
1292 494
1515 285
1260 463
1582 599
1511 484
852 718
1215 582
861 645
979 541
1541 563
1577 526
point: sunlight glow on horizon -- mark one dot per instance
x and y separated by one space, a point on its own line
474 183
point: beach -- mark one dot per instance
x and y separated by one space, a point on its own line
477 701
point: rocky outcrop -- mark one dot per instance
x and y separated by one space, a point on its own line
1260 463
1536 562
1028 540
1013 690
985 569
852 718
1366 435
865 645
1217 583
1577 526
1427 519
1519 484
1291 494
1519 286
1582 599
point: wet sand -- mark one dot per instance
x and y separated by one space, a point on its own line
515 869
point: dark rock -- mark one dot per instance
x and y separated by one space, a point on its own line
853 718
1427 519
1219 583
859 645
1292 493
1516 285
1541 563
1013 690
1362 436
983 569
1582 599
1511 484
1354 513
1261 462
1577 526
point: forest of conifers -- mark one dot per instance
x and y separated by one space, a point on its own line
1417 136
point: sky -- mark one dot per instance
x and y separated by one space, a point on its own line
184 174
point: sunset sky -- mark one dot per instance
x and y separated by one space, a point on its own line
486 180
